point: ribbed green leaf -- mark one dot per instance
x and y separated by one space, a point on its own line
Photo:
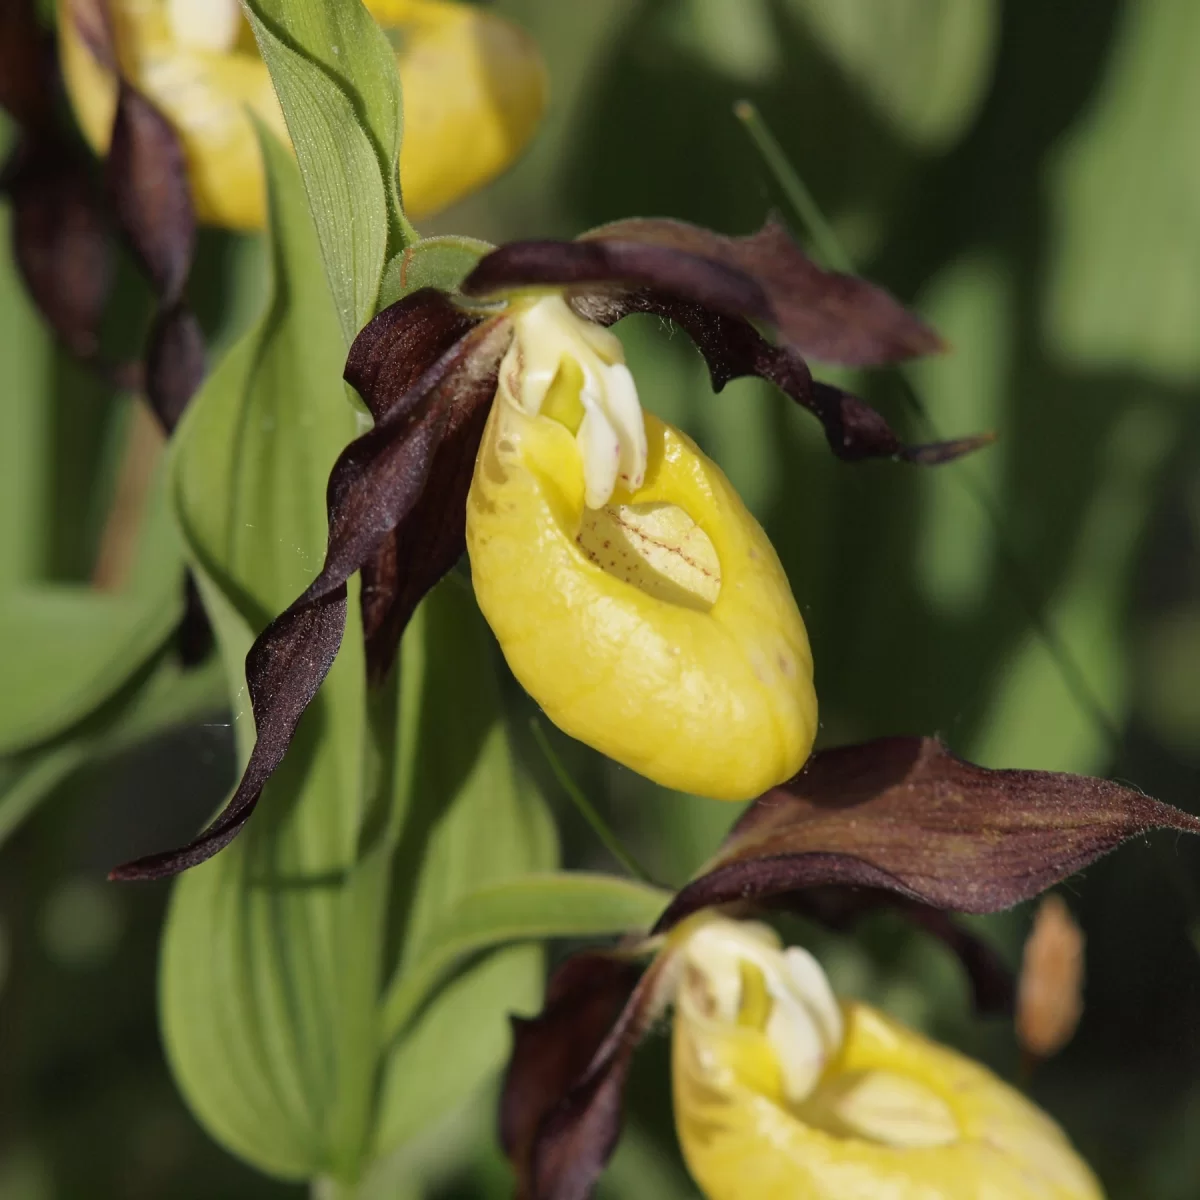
25 463
273 950
67 648
1123 289
470 822
261 1008
335 74
456 1043
525 908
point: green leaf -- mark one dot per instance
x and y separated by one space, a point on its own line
382 816
932 90
470 821
1033 716
441 262
336 77
261 994
456 1043
25 449
1123 291
525 908
67 647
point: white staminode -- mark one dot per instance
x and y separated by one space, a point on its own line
205 24
612 434
805 1023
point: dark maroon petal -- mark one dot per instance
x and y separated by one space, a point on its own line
93 23
397 345
396 348
428 541
585 265
553 1051
374 484
148 186
148 189
906 816
833 317
284 669
734 349
62 243
765 277
855 430
175 362
560 1110
194 637
27 67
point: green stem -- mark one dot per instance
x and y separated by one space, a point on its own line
586 809
793 187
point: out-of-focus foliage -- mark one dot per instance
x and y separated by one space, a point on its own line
1027 174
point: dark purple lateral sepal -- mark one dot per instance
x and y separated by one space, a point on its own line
764 277
375 483
431 537
560 1108
146 178
733 349
62 233
904 815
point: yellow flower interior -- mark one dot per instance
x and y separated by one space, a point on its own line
882 1106
656 547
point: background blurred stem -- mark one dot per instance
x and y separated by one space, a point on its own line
586 809
144 444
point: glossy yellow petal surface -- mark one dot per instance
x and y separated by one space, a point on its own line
474 90
660 628
894 1116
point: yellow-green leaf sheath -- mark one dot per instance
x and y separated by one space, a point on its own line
474 90
659 629
893 1115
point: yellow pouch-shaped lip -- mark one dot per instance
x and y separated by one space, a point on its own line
743 1144
474 90
710 696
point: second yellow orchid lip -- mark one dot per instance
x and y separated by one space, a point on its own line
658 626
474 91
880 1109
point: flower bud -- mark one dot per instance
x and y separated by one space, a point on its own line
782 1095
633 595
474 90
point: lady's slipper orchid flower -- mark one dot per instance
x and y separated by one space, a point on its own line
634 596
474 91
781 1091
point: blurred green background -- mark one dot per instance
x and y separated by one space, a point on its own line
1029 176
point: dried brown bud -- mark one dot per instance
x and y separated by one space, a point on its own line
1050 991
